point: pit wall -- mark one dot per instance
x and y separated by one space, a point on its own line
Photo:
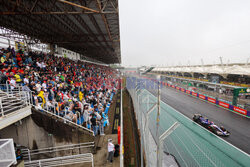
40 131
222 104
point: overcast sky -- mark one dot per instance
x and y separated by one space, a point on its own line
181 32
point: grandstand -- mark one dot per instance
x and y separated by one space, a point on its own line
233 74
57 88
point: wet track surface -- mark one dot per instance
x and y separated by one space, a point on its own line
237 125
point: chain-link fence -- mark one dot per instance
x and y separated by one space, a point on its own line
189 143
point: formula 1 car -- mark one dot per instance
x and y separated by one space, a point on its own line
220 131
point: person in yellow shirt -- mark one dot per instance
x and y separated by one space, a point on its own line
41 94
3 59
80 95
18 78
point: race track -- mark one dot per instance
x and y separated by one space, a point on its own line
237 125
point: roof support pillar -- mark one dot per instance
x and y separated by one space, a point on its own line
52 48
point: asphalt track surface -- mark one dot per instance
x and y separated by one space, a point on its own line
237 125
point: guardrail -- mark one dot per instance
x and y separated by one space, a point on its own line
27 153
12 102
65 160
189 143
66 120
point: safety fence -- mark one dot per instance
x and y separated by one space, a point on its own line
178 136
7 152
83 159
31 155
13 101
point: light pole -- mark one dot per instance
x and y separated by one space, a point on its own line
158 122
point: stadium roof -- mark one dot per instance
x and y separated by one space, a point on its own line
89 27
231 69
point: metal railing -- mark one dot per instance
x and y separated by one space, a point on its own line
7 152
66 120
12 102
65 160
28 154
121 130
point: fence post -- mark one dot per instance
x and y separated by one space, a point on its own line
141 126
92 160
158 119
29 155
1 106
31 98
28 94
26 98
161 139
7 87
121 132
147 127
54 109
142 140
19 92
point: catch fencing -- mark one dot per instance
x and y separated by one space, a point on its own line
179 137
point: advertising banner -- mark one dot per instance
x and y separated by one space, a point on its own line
225 105
240 110
211 100
202 97
194 94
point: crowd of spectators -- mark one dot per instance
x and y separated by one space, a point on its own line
78 91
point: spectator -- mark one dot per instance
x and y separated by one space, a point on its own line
111 149
57 81
94 124
12 83
102 123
